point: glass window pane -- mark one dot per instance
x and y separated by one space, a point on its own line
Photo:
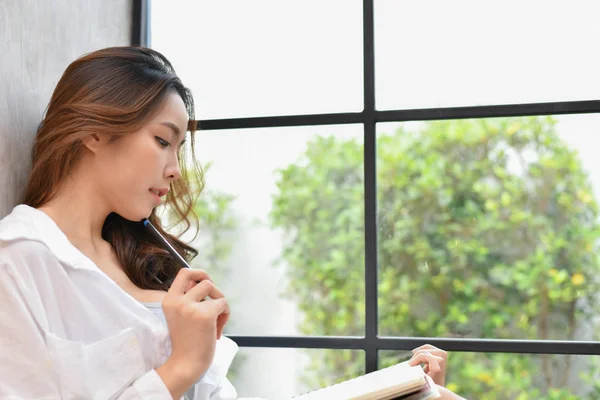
283 227
273 373
491 376
440 53
489 227
258 58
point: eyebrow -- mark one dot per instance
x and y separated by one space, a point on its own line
175 130
173 127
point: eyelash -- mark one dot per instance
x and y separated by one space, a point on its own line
162 142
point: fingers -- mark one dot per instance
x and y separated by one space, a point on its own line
222 321
431 349
425 346
189 288
181 283
202 290
190 285
433 362
217 309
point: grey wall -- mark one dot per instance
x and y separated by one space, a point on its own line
38 39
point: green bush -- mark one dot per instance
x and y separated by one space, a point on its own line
486 228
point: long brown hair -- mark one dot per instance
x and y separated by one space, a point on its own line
115 91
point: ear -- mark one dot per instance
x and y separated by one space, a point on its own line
94 141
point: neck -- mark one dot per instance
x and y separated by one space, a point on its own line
80 213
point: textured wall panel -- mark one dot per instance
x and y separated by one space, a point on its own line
38 39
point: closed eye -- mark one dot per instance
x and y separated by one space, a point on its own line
162 141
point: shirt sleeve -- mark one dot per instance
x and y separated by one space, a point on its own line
26 370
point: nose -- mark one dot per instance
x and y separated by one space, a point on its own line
173 171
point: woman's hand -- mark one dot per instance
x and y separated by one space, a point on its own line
435 361
194 327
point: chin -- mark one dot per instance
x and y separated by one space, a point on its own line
135 215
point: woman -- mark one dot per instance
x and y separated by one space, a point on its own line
92 305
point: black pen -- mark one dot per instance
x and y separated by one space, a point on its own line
165 243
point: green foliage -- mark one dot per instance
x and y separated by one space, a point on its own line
321 204
217 223
486 228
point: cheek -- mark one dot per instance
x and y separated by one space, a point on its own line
130 168
146 160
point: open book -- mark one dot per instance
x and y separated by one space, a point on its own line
400 381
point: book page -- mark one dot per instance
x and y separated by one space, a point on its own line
387 383
428 392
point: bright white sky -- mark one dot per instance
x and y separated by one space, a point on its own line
258 58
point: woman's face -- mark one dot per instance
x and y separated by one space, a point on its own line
134 173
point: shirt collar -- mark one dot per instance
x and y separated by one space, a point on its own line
28 223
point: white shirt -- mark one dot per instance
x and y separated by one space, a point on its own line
67 331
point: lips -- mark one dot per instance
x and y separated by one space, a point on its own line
157 194
160 192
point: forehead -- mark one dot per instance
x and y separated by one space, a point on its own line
173 110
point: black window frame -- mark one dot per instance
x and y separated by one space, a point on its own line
371 343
